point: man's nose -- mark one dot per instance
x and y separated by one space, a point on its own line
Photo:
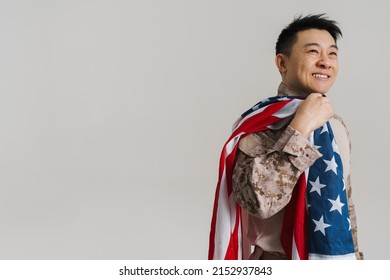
324 62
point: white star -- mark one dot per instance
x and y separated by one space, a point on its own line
343 184
334 146
324 129
317 147
317 186
320 225
332 165
349 222
336 204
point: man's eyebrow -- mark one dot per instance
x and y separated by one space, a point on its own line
317 45
334 46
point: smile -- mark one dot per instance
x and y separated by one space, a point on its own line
321 76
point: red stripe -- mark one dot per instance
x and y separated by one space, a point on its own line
260 121
295 222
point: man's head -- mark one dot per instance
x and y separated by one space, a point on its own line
306 54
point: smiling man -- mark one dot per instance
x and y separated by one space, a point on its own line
284 189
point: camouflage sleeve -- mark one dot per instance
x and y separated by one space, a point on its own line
267 167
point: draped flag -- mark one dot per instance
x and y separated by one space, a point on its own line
330 228
317 229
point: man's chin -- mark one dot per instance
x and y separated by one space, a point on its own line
322 90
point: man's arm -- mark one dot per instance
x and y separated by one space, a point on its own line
267 167
268 164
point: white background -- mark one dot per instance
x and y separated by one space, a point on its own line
113 115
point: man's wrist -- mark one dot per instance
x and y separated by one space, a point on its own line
300 128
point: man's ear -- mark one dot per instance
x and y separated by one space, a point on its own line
280 61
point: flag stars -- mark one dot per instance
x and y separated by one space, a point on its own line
317 186
336 204
328 215
317 147
331 165
324 129
321 225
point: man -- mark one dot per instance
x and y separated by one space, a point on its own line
287 162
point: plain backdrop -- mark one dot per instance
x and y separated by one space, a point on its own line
113 115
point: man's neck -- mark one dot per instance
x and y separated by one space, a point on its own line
284 90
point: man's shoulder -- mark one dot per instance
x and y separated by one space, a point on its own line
339 125
260 142
338 119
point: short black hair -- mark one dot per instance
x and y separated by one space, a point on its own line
288 36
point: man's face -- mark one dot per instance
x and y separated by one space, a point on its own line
313 63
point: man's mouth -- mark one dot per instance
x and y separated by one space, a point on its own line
320 76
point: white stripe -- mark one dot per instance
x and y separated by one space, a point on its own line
350 256
294 253
231 144
289 109
285 113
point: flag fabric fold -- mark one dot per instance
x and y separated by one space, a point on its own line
317 212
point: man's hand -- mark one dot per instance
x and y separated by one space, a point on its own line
313 113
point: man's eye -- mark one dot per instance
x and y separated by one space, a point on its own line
333 54
313 51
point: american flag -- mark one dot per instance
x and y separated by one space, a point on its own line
329 226
226 233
